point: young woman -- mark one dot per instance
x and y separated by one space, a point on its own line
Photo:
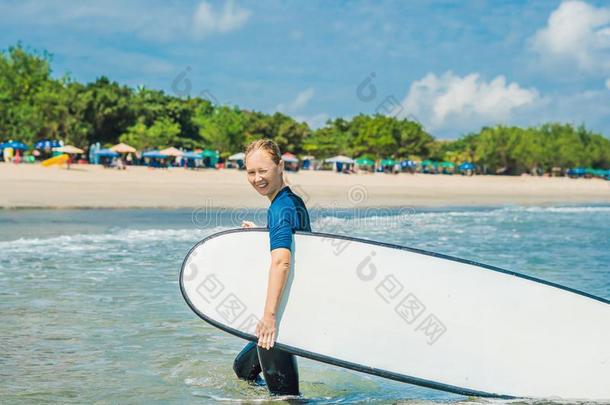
286 214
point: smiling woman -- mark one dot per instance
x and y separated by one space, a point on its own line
286 214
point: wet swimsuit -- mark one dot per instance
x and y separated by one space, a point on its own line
286 214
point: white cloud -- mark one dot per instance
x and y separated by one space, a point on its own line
300 101
464 103
314 121
207 20
578 34
298 104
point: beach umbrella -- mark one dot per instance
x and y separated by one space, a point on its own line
365 162
289 158
106 153
171 152
466 166
48 144
447 165
427 163
339 159
237 156
408 163
68 149
308 157
123 148
387 162
577 171
154 154
16 145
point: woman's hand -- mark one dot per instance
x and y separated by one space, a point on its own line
248 224
265 332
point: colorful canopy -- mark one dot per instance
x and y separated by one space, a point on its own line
466 166
388 162
106 153
339 159
123 148
363 161
48 144
14 144
209 153
154 154
238 156
68 149
289 158
171 152
192 155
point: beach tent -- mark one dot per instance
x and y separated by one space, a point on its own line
340 162
429 166
289 158
123 148
152 155
387 162
106 153
48 144
171 152
210 157
238 158
307 161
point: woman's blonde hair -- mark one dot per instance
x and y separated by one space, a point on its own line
268 146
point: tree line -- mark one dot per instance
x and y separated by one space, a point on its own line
35 106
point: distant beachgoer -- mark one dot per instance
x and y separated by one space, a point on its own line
286 214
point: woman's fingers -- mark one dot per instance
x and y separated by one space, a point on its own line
266 338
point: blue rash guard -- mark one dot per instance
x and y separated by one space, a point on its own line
286 214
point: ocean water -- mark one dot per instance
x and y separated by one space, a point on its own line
91 311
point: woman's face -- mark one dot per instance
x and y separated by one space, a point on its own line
263 174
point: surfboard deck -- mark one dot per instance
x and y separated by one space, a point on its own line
409 315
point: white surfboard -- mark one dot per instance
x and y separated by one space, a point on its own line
409 315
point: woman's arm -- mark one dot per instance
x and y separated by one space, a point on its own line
278 274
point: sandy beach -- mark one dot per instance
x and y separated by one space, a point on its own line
88 186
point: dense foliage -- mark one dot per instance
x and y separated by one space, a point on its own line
34 106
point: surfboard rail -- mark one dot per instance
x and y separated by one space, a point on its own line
359 367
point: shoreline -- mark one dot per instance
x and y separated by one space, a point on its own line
93 187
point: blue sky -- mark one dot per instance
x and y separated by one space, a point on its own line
453 65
